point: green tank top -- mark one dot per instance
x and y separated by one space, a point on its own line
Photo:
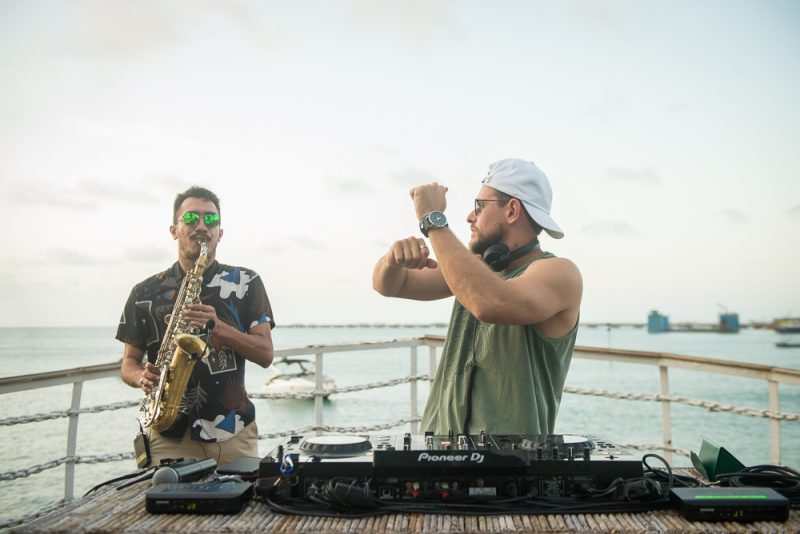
504 379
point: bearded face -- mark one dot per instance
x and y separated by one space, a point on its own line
481 240
189 235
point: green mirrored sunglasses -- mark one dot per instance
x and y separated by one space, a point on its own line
192 218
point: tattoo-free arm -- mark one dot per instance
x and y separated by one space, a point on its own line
407 271
255 344
545 289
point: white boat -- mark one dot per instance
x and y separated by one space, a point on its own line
295 375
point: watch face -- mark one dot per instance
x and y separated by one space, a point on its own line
437 218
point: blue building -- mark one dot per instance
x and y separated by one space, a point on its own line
657 323
729 323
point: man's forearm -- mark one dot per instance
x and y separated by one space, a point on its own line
388 278
131 371
255 346
467 276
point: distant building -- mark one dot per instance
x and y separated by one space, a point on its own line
729 323
657 323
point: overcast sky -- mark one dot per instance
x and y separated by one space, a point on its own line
670 132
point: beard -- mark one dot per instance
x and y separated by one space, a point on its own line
191 248
480 243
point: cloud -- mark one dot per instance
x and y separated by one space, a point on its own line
308 243
645 175
794 211
411 176
275 249
605 108
734 216
379 243
598 14
613 228
41 194
86 195
381 150
147 254
245 20
115 31
351 187
419 23
169 183
65 256
115 192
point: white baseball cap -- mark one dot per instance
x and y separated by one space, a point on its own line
525 181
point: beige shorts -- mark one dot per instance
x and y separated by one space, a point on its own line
245 443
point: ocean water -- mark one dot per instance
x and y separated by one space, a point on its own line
24 350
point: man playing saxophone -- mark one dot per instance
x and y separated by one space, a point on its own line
215 418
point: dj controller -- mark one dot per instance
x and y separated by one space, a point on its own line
417 467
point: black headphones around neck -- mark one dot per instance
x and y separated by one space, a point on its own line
498 256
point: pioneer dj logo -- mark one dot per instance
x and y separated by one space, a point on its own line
475 457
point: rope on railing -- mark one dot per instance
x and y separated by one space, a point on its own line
35 418
339 429
38 468
708 405
656 447
344 389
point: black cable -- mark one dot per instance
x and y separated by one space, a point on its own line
782 479
353 498
667 476
141 474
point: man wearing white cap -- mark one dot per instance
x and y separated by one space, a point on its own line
515 316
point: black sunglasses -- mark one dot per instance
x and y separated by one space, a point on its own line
479 203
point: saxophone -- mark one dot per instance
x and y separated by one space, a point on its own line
180 350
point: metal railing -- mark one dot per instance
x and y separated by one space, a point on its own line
774 376
665 361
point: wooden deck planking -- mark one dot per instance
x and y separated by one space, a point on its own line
110 510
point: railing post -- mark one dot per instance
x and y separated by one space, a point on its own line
774 424
72 441
666 414
432 361
318 398
414 410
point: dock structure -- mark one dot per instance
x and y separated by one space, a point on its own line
658 323
729 323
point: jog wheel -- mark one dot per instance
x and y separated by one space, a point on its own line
336 446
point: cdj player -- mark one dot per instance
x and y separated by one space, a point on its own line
419 467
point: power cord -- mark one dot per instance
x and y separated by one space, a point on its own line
782 479
666 476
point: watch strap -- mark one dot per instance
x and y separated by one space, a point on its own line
426 223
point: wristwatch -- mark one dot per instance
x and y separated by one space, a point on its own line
432 221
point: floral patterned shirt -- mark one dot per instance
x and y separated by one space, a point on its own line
215 404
